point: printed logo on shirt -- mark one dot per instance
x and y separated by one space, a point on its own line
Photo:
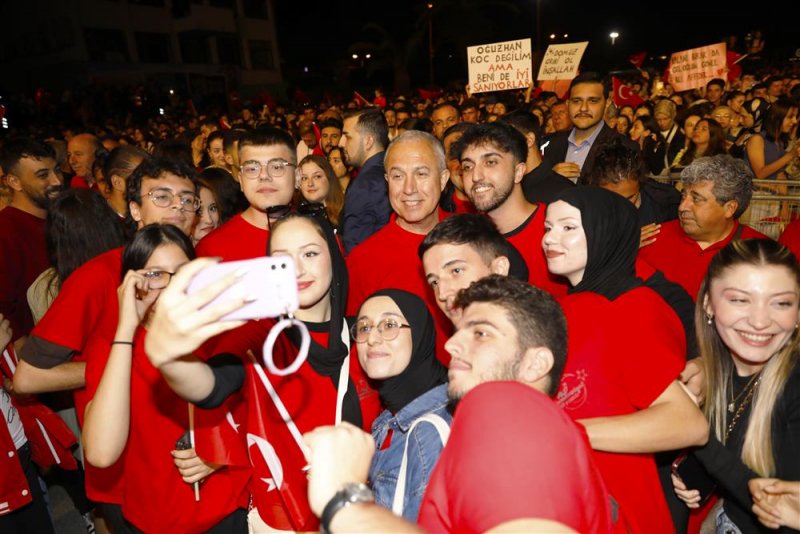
572 392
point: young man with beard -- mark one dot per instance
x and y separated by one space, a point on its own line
570 153
266 175
34 178
498 471
493 157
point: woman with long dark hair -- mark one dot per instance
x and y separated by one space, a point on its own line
134 417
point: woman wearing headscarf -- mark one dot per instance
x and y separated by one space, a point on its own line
625 352
396 341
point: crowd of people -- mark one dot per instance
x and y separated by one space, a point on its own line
516 321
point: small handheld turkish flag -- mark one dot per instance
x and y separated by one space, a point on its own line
624 95
638 59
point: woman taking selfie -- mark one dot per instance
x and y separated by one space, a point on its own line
327 388
396 341
747 315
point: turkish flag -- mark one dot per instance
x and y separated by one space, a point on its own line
624 94
734 70
360 99
279 486
638 59
429 94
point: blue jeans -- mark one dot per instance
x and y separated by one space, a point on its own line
725 525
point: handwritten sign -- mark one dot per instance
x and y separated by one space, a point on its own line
694 68
560 61
500 66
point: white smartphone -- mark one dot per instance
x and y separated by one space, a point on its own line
270 281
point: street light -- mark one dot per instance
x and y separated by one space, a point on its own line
613 36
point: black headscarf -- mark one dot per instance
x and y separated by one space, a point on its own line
612 240
327 361
424 371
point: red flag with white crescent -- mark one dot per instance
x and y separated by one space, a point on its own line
279 485
624 95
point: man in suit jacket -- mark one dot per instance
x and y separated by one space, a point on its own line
571 153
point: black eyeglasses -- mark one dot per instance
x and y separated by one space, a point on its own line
275 213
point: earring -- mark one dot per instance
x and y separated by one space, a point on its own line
710 319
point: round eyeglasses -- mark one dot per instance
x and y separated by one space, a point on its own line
163 198
276 168
389 329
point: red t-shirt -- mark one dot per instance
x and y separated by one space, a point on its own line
682 260
791 237
83 317
389 259
617 368
155 497
24 256
528 240
279 485
237 239
463 206
512 454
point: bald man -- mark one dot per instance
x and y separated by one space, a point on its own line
81 151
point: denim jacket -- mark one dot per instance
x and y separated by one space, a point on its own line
423 450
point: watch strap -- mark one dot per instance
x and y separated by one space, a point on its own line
350 494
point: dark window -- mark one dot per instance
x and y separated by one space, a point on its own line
154 3
255 8
261 55
194 48
221 3
106 46
228 49
153 47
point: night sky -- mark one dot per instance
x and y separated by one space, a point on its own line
322 38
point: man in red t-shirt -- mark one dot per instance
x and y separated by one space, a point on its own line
716 192
34 179
416 174
493 157
499 468
266 174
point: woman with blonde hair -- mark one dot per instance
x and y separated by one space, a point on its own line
747 318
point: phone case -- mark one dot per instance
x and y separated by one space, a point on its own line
270 282
694 475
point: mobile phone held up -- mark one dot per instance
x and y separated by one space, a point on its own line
269 283
689 469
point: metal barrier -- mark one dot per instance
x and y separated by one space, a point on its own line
774 205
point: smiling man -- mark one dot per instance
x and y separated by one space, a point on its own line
493 159
716 191
416 173
34 179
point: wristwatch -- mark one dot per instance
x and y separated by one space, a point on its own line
351 493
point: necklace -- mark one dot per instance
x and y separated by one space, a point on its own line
745 402
732 404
